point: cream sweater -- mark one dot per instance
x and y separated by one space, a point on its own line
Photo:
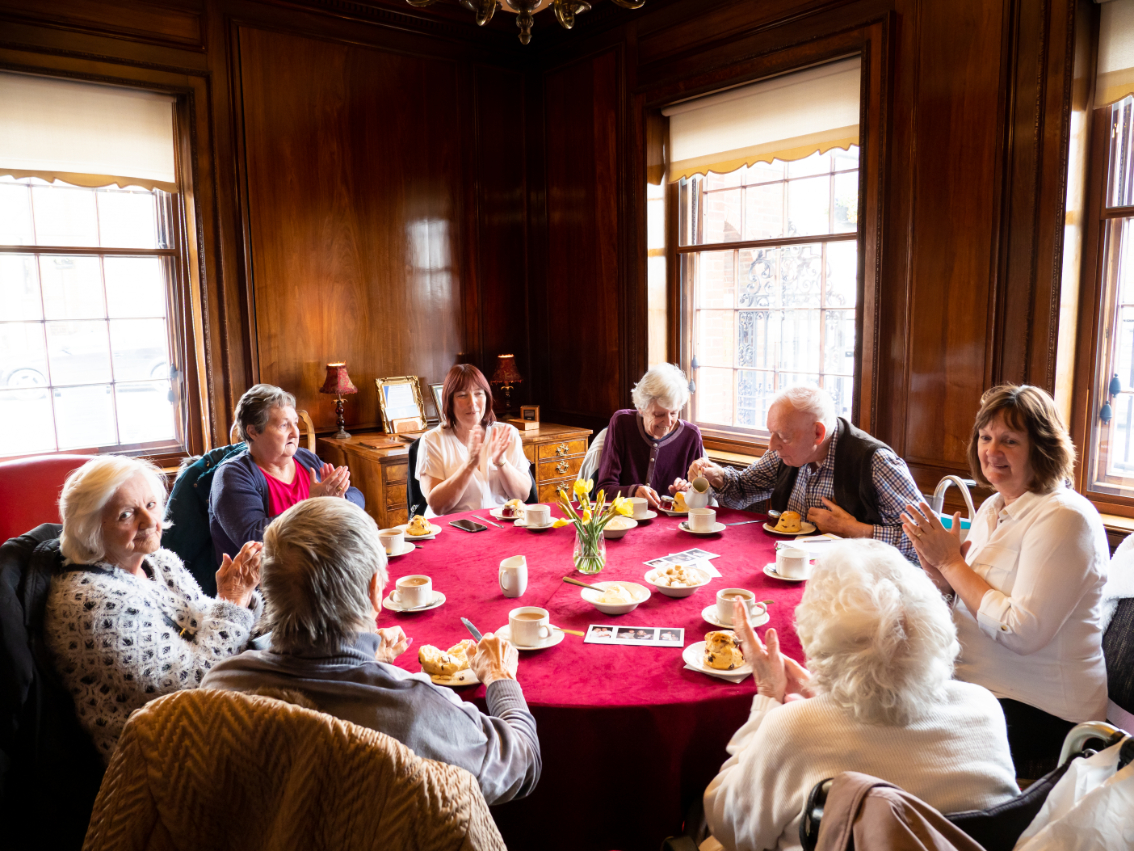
954 758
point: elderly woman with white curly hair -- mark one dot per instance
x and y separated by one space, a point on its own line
649 450
880 699
125 621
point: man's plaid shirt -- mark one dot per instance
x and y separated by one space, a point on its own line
892 479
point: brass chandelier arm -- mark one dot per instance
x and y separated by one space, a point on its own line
484 9
629 4
566 10
421 4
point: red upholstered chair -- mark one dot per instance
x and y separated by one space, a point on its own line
29 491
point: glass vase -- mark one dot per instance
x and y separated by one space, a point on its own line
590 551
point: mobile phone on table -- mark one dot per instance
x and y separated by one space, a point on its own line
468 525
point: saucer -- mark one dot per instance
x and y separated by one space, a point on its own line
434 531
389 603
805 528
770 570
407 547
711 614
523 524
498 514
649 515
556 636
694 656
669 512
716 530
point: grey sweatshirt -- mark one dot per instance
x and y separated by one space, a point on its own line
500 749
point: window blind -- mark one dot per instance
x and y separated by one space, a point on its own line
1116 52
786 118
85 134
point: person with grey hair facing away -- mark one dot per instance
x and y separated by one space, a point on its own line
125 621
650 447
271 475
819 465
879 699
324 576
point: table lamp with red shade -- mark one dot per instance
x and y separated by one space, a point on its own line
506 378
338 383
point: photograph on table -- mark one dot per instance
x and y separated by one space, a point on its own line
640 636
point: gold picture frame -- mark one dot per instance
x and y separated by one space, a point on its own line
400 400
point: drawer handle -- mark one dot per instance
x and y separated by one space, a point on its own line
561 467
561 449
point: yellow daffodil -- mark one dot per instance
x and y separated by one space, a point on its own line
625 508
583 487
559 523
586 516
600 497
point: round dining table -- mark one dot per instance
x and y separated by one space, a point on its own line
629 737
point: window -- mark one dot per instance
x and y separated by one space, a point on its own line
765 191
90 266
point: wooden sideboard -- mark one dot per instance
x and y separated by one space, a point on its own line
380 471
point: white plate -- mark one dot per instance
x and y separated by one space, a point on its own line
694 656
675 592
556 636
716 530
498 514
621 609
649 515
465 677
805 528
711 614
669 512
434 531
407 547
523 524
770 570
393 606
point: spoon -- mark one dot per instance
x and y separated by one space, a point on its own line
571 581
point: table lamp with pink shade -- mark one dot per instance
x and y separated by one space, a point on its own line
338 383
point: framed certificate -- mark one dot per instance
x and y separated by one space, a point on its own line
400 399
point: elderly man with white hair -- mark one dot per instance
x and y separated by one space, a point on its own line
879 699
324 576
648 449
835 475
125 621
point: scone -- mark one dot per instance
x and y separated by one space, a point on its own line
722 650
418 526
445 664
679 502
512 508
790 521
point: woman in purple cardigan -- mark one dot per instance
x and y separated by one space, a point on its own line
649 449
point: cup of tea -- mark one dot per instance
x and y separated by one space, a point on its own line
726 598
514 576
537 515
793 563
640 506
702 519
393 540
529 625
413 592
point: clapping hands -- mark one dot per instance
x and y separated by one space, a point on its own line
335 481
237 578
777 676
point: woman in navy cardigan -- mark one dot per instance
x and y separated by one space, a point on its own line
253 487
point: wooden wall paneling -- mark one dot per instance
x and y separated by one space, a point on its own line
535 129
351 174
175 23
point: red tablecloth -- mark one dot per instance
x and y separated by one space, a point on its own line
629 737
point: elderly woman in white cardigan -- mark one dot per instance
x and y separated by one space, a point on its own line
125 621
879 699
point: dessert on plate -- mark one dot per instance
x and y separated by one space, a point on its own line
790 521
445 663
679 502
512 508
722 650
418 526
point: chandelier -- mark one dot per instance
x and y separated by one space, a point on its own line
565 10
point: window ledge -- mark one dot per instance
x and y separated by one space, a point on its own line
740 460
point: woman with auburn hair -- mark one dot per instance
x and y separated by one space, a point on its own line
1028 581
470 461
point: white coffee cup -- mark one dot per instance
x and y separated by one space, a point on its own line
393 540
514 576
529 625
537 515
793 563
702 519
725 599
640 506
412 592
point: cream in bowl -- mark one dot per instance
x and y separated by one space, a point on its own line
617 527
616 598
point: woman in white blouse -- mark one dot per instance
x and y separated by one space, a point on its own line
1028 581
470 461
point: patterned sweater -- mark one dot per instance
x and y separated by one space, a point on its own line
115 650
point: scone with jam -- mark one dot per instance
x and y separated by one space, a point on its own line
722 650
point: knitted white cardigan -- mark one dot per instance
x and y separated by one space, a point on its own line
115 650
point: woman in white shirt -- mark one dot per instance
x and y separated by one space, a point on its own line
1028 581
470 461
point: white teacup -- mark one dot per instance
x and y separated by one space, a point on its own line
529 625
702 519
514 576
640 506
412 592
793 563
537 515
725 598
392 540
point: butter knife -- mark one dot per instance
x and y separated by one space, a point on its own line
473 631
742 523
